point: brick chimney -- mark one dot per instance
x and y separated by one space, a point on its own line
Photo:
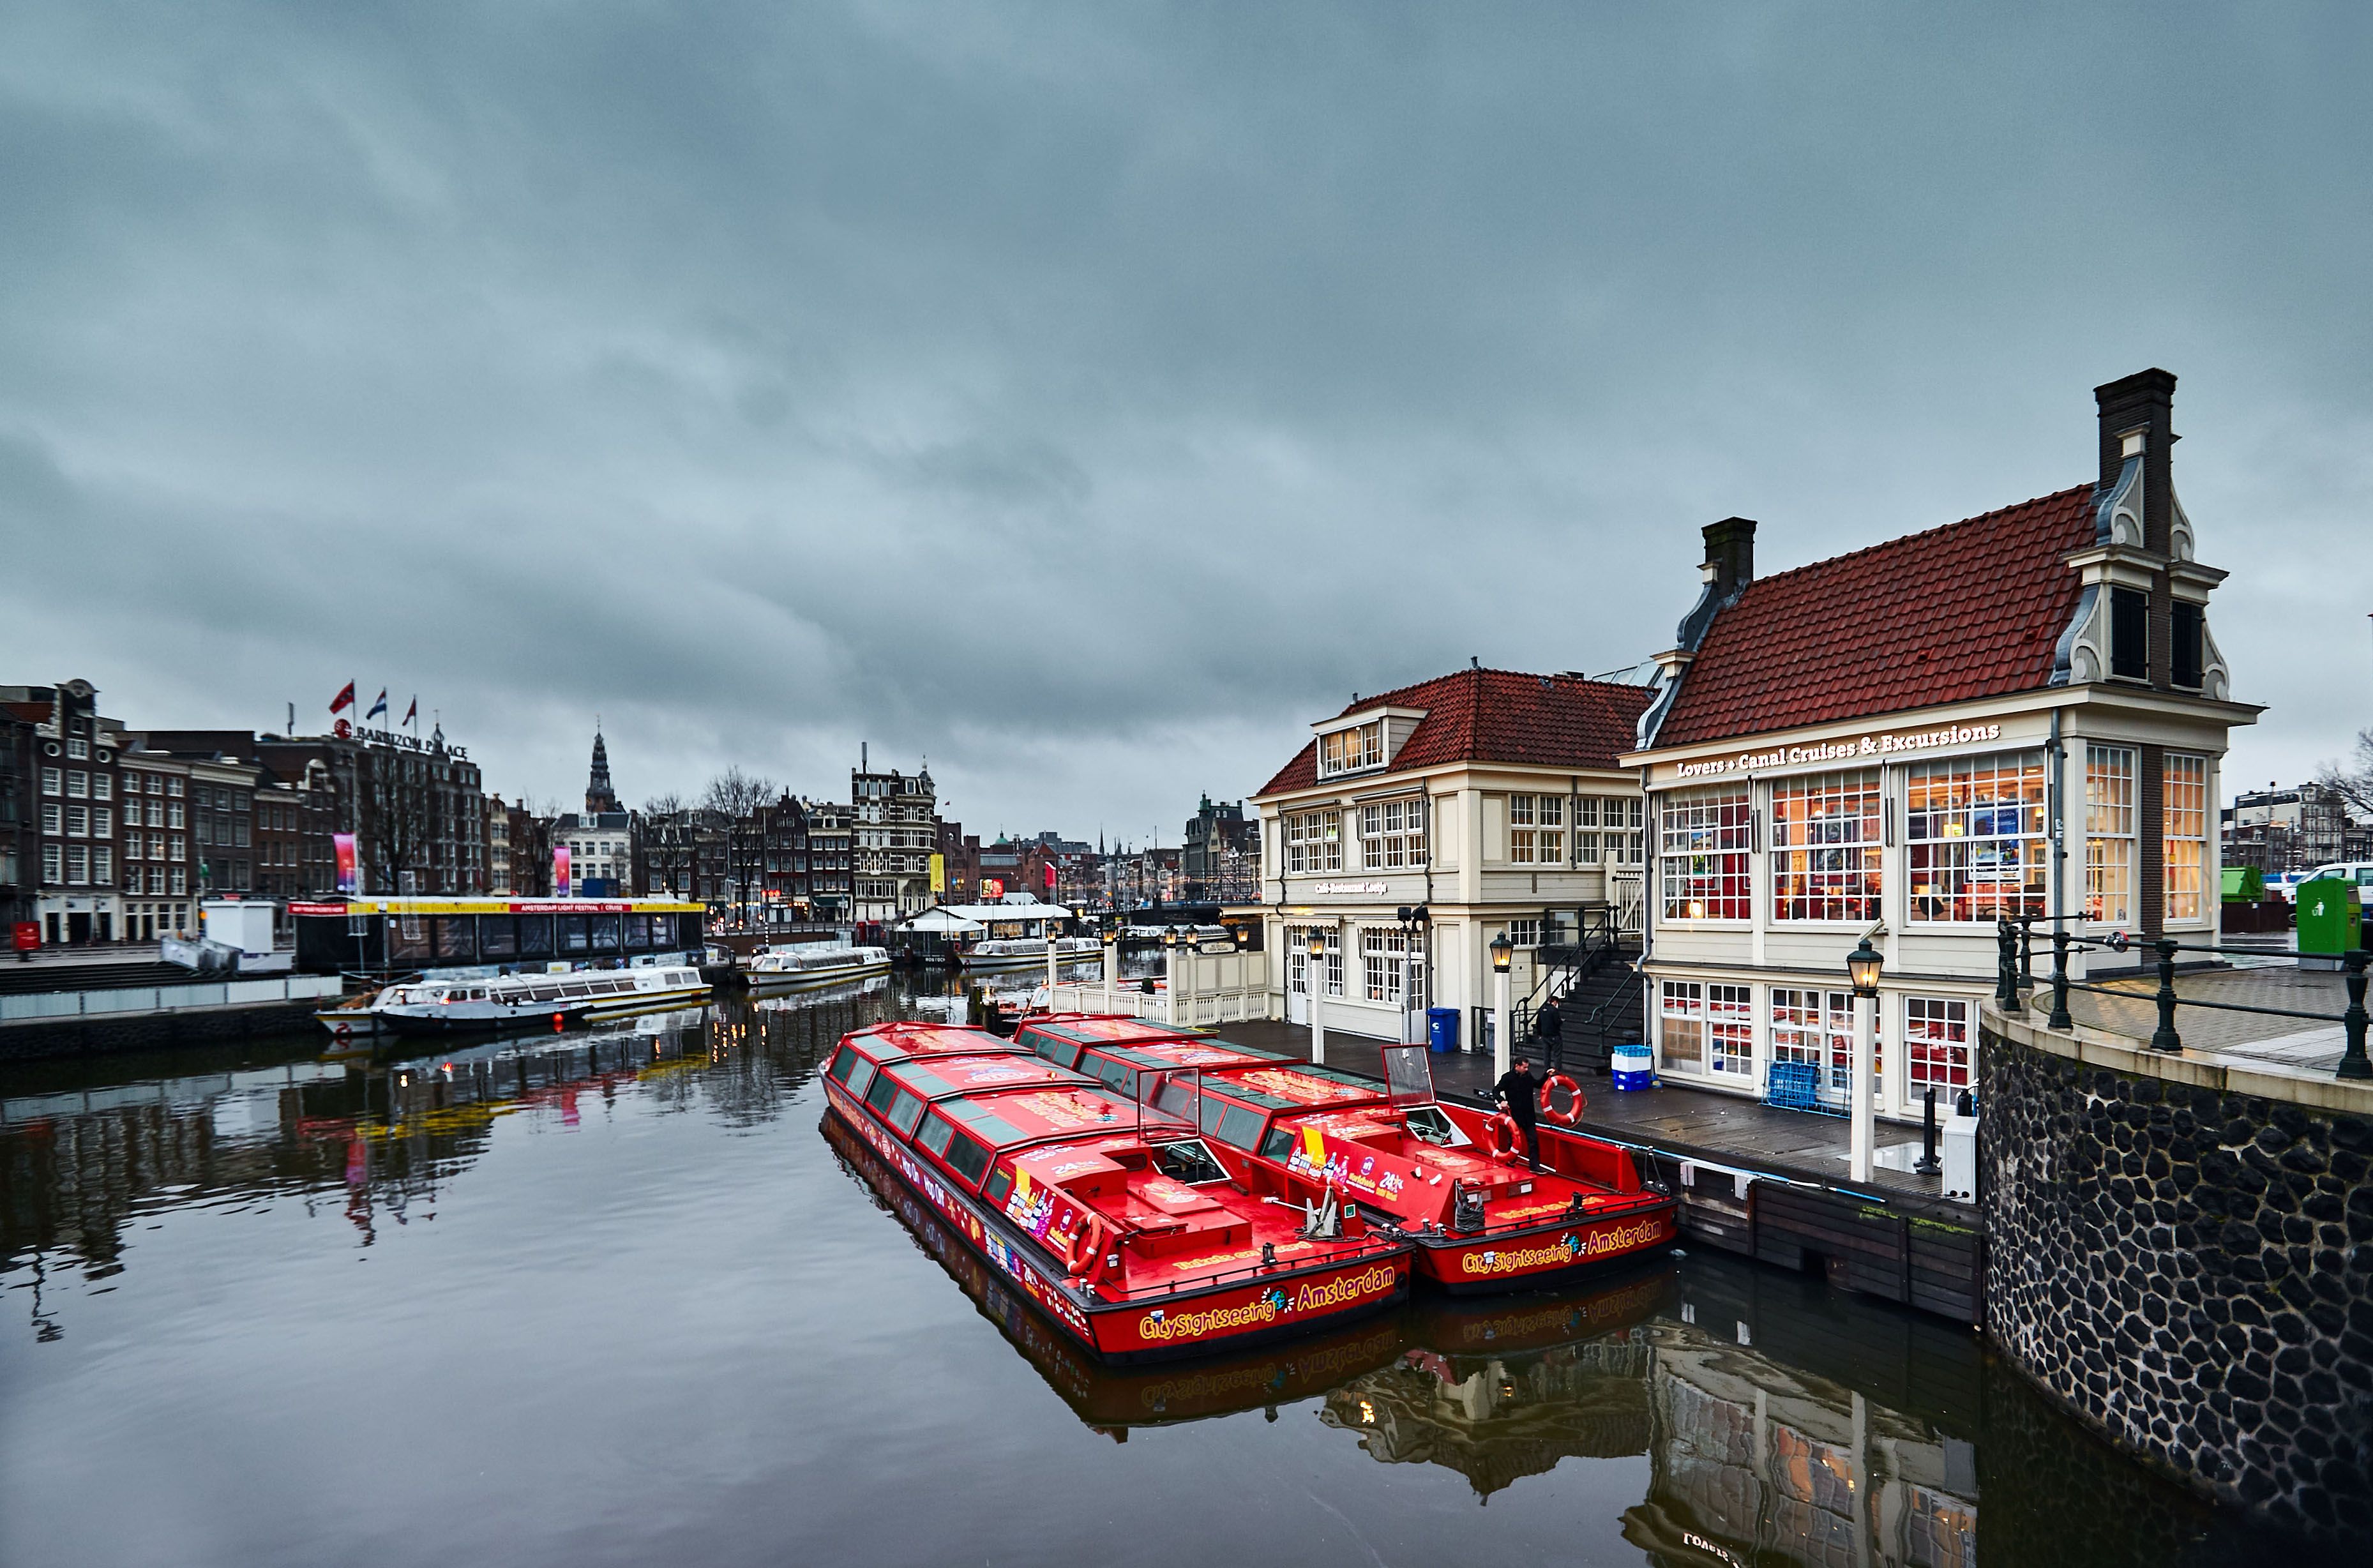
2139 410
1729 557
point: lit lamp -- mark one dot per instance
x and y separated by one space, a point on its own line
1862 967
1315 980
1504 953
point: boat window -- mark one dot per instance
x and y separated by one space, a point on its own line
1176 1098
967 1159
905 1111
861 1077
457 937
1239 1127
1000 1185
572 933
1278 1145
1428 1123
879 1095
1213 1111
1062 1053
936 1133
497 937
536 936
1189 1162
477 993
1118 1075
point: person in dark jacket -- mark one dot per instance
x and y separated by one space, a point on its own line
1550 1030
1519 1094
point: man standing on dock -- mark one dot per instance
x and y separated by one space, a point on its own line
1519 1094
1549 1028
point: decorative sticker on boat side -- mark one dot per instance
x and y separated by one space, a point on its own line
1599 1242
1352 1167
1267 1304
1300 1087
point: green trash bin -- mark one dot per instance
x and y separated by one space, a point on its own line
2329 922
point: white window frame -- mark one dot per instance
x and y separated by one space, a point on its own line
2112 805
1826 848
1537 825
1352 749
1314 841
1383 963
1680 1013
1939 1051
1962 864
1392 835
1705 840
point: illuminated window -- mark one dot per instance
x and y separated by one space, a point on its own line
2108 835
1974 826
1347 751
1314 841
1680 1025
2185 840
1297 960
1825 847
1813 1027
1702 842
1935 1042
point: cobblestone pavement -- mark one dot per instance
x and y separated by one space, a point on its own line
2305 1043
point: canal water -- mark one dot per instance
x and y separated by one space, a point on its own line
624 1296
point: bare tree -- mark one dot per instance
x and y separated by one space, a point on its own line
738 797
2354 781
666 805
737 793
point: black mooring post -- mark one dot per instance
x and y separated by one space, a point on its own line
1928 1165
2164 1038
2060 1019
2352 1062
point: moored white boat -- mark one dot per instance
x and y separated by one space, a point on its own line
796 967
1021 952
578 996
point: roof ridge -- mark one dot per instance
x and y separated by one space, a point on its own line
1923 534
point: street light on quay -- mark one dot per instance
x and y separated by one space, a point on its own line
1314 982
1503 952
1862 965
1170 973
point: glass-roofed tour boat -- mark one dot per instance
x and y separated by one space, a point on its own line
1449 1179
1116 1220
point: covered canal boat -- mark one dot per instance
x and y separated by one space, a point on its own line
1116 1220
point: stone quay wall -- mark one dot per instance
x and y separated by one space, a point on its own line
2183 1254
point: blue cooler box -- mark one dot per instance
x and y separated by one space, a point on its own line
1634 1068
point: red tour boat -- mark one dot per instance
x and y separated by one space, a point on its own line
1118 1221
1449 1178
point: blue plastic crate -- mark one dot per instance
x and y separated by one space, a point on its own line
1796 1086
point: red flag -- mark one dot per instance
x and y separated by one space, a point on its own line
346 698
412 712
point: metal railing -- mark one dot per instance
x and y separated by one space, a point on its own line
2016 974
166 998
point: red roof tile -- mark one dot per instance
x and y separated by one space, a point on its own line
1497 716
1970 609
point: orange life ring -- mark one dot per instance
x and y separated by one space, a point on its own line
1084 1246
1572 1113
1503 1136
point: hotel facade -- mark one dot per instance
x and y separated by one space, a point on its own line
2021 714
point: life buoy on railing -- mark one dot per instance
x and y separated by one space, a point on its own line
1572 1113
1504 1137
1083 1249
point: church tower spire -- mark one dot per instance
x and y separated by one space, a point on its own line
599 797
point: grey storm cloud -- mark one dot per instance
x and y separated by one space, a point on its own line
1088 397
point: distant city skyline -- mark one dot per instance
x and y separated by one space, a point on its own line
1091 400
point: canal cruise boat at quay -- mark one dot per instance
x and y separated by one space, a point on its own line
1450 1177
506 1001
806 967
1117 1221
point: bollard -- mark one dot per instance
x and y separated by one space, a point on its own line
1928 1165
2060 1019
2352 1062
2165 1038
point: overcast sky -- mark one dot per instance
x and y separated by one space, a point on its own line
1089 398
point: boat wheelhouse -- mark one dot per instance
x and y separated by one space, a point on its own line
1119 1223
582 996
809 966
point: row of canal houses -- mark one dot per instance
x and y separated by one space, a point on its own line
2022 713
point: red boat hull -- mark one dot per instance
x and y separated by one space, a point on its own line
1544 1255
1266 1307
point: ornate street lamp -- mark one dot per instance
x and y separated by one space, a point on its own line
1504 953
1314 982
1862 967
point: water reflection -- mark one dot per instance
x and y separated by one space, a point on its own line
1751 1416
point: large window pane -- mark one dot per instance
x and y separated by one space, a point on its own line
1825 847
2186 841
1702 843
1975 831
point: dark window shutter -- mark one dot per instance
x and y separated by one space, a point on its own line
2129 634
2186 626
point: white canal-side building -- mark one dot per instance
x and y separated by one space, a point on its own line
1490 800
2019 714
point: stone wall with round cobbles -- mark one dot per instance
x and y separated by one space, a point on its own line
2187 1267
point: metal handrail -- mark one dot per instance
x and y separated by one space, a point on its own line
2014 949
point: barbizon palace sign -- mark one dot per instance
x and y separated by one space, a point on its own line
1849 749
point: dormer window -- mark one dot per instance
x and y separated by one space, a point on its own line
1349 751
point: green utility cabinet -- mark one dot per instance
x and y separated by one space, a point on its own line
2329 922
